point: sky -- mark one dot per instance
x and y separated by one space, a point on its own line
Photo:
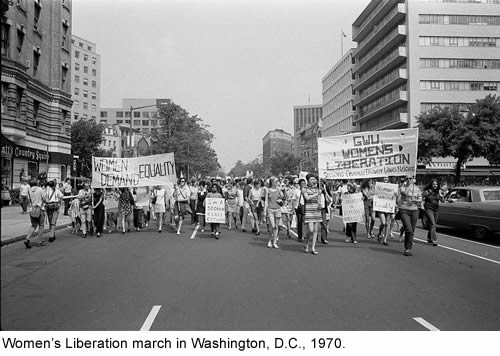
240 65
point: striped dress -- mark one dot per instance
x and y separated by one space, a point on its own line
313 213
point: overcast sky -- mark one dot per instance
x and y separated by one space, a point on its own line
240 65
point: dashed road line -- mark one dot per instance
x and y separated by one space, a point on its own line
425 324
151 318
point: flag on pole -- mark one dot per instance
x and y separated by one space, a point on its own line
343 34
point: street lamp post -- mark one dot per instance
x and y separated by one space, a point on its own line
131 110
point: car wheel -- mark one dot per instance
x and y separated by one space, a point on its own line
480 232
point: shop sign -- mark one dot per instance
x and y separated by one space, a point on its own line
442 165
18 151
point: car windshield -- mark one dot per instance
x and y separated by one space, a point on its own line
491 194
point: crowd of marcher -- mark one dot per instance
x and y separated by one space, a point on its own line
302 207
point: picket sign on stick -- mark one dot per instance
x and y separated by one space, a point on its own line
384 198
353 209
215 210
116 172
368 154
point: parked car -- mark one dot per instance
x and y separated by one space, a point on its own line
476 208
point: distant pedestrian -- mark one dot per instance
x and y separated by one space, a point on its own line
368 190
325 200
200 205
352 227
193 200
99 210
272 208
214 193
74 213
23 196
299 207
67 193
54 199
231 195
158 203
36 199
313 212
431 196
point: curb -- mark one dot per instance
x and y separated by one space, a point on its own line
14 239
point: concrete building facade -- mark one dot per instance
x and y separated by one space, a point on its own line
85 80
415 55
36 91
274 143
306 130
339 112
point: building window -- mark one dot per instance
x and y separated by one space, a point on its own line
104 114
77 91
75 117
85 69
76 104
85 81
93 108
127 113
65 28
36 16
94 84
94 96
80 44
145 122
19 98
36 110
85 57
36 62
85 93
64 74
137 114
119 122
119 114
77 79
94 60
94 72
137 122
145 114
85 105
154 122
89 48
77 54
77 66
5 39
20 39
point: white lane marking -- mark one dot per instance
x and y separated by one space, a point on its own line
195 231
426 324
460 251
151 318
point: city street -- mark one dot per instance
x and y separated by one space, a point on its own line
170 282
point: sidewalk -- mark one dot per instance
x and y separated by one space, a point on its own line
15 225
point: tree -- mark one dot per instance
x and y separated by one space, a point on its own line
445 132
284 163
189 139
86 137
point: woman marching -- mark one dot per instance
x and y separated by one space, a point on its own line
181 197
272 208
54 198
368 188
231 196
158 205
431 196
411 198
313 212
214 193
384 220
256 205
99 210
125 204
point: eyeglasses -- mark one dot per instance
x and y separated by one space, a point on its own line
183 181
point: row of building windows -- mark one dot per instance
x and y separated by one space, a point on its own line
462 107
76 91
460 63
459 41
458 85
345 96
140 122
380 83
145 114
306 116
459 20
85 81
85 57
345 80
81 45
383 100
86 69
76 105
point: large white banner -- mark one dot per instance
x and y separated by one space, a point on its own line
384 198
368 154
215 210
353 209
142 171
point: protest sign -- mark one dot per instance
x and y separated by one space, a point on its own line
368 154
215 210
353 209
116 172
384 198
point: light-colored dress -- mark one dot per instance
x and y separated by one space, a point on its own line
313 212
231 200
159 206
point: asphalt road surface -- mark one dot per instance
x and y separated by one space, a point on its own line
172 282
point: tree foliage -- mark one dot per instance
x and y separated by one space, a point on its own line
240 169
189 139
445 132
284 164
86 137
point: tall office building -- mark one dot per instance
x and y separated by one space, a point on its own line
306 132
415 55
85 81
338 98
36 91
274 143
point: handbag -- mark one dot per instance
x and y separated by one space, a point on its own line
294 222
53 205
36 211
